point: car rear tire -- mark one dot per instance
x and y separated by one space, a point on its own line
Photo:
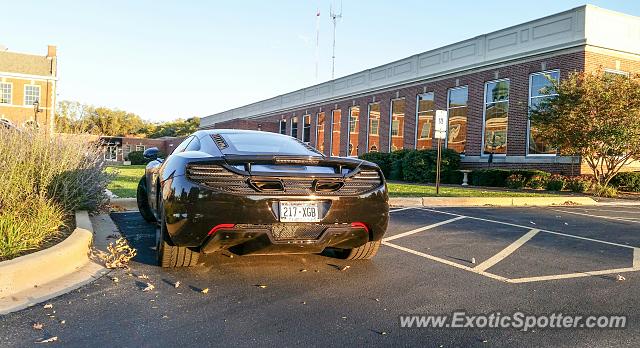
169 255
364 252
143 201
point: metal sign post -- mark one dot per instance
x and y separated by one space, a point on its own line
440 133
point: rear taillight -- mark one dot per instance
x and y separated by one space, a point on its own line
360 225
216 228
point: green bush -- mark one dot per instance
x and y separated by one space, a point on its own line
555 183
605 191
397 160
579 184
498 177
628 181
43 179
516 181
382 159
420 166
538 181
137 157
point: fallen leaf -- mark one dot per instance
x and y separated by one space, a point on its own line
165 317
473 260
261 286
63 322
377 300
620 278
149 287
345 268
533 223
177 284
38 326
205 291
143 276
303 270
48 340
47 306
383 333
115 279
304 302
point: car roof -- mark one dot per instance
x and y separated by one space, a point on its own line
204 132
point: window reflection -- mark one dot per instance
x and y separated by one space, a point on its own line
424 123
374 127
335 133
397 124
496 115
457 109
354 122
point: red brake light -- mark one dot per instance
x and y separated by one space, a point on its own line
221 227
360 225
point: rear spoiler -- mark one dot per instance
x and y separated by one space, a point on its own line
336 162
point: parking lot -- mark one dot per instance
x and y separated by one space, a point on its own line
568 259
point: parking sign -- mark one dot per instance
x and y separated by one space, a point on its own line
441 124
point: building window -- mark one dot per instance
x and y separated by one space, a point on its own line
5 93
320 132
540 88
111 153
335 132
496 116
396 140
354 117
373 141
283 126
127 149
294 127
616 72
306 128
140 148
424 120
457 110
31 94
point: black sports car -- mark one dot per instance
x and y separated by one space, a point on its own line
253 192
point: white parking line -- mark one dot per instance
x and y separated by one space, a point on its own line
598 216
572 275
400 209
506 251
446 262
528 227
404 234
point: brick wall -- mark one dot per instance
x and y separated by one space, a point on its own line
517 72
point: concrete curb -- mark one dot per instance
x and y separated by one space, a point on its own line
124 203
489 201
37 277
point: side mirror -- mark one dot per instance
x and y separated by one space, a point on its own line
151 153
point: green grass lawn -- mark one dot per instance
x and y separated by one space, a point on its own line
416 190
126 182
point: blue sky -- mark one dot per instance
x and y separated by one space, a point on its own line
169 59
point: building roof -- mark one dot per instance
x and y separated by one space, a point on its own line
27 64
584 25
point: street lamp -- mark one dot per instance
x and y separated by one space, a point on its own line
36 110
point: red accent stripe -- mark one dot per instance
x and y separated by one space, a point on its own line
220 227
360 225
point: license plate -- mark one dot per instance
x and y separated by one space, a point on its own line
299 212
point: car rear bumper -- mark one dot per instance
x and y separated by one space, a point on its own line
192 211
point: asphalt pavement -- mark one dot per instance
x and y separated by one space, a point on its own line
572 260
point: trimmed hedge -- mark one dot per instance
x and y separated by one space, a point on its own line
627 181
498 177
137 157
417 165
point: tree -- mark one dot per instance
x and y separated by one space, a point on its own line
596 116
177 128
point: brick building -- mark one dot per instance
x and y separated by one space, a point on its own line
28 89
486 84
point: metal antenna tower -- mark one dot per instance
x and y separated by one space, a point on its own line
334 18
